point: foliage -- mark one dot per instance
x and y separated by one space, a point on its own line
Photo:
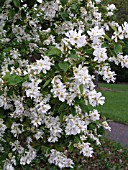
50 52
110 155
122 10
121 14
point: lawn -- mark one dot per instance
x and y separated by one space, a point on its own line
116 105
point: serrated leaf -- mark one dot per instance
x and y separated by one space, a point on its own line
16 3
64 66
53 51
117 48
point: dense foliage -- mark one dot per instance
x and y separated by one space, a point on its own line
50 52
122 12
121 15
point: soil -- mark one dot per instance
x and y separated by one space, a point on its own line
118 133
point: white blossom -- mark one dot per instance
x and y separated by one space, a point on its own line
59 159
75 38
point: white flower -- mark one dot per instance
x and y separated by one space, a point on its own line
43 64
8 167
107 74
111 7
82 75
3 127
22 160
59 89
125 29
94 115
74 125
39 134
14 53
75 38
95 98
53 124
59 159
37 120
16 129
40 1
100 54
86 150
106 126
28 156
17 147
96 34
98 1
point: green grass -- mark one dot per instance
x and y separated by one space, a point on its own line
116 105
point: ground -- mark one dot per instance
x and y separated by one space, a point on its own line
119 133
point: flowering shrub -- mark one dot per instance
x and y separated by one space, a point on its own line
50 52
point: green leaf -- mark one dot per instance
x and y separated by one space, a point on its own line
73 56
2 113
61 117
26 78
16 3
63 2
73 111
62 107
107 38
1 92
114 28
81 88
12 79
46 83
10 92
92 126
117 48
82 105
64 66
89 51
65 16
53 51
105 45
71 147
77 138
74 7
100 131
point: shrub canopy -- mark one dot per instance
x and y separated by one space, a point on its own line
50 52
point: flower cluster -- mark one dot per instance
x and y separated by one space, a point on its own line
59 159
50 53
